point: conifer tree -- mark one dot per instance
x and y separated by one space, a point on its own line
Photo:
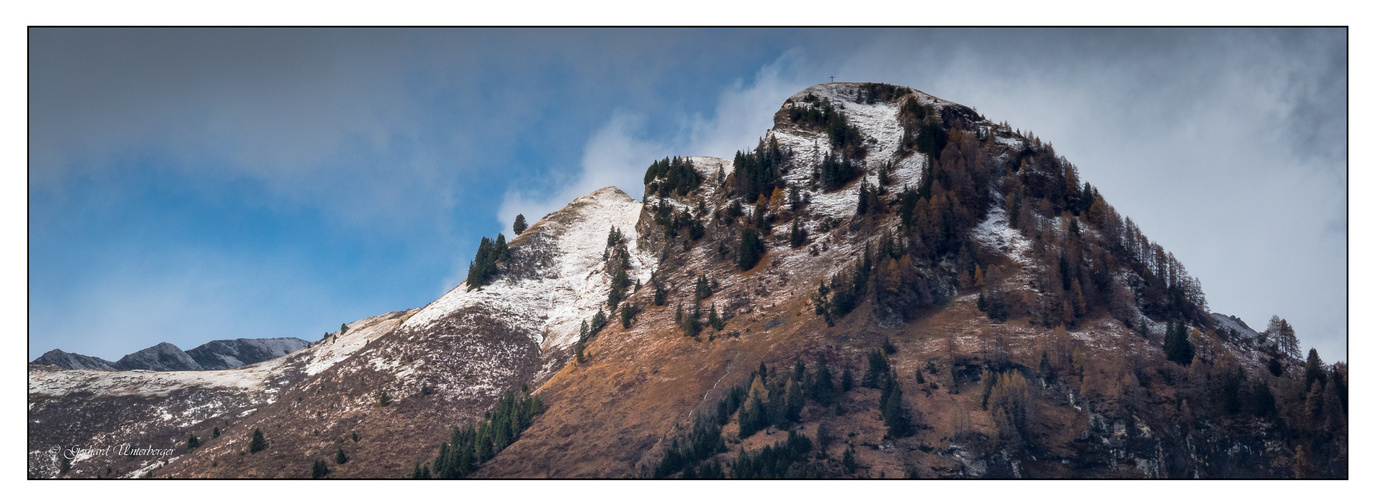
319 469
518 227
215 433
258 443
1177 346
715 319
894 410
340 457
751 249
848 459
1313 369
192 443
823 389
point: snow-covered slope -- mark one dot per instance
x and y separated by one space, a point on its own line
558 278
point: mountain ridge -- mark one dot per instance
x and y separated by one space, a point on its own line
212 355
1022 327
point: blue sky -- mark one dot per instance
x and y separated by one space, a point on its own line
191 185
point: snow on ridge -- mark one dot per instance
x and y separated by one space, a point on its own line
340 346
59 383
572 287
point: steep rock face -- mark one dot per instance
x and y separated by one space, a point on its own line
161 357
73 361
223 354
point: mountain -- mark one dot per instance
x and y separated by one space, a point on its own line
886 285
73 361
213 355
222 354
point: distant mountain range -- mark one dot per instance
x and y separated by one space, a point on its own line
213 355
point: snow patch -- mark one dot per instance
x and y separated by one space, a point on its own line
569 290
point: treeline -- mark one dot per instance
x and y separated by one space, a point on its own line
821 114
757 173
478 442
1047 203
671 176
673 220
775 398
483 267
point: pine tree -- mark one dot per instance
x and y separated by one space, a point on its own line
822 390
192 443
1313 369
863 205
257 444
751 249
847 381
894 409
715 319
319 469
339 456
519 226
1177 346
215 433
703 288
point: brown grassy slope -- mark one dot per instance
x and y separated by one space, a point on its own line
312 420
609 416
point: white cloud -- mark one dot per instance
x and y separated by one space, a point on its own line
619 152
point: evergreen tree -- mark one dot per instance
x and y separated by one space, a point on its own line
751 249
215 433
1177 346
1313 369
822 390
257 444
1044 368
319 469
192 443
339 456
878 368
626 315
847 381
519 226
894 409
703 288
715 319
797 236
863 205
660 298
